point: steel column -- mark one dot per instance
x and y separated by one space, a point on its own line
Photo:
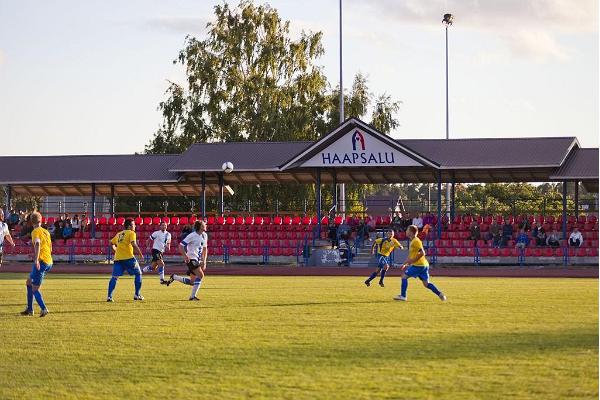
93 219
439 204
221 195
564 209
576 199
203 199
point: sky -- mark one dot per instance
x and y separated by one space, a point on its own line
87 77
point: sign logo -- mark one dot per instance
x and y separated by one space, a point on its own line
356 138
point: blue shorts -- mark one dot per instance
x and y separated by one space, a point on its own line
418 272
131 266
37 277
383 261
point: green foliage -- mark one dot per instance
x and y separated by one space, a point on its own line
301 338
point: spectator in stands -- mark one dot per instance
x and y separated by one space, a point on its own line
13 219
418 221
524 224
507 232
522 239
52 230
363 230
538 234
475 231
59 225
576 238
397 222
372 224
406 221
344 232
494 234
75 224
332 231
553 239
186 230
67 232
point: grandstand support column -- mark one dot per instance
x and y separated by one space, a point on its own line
452 197
318 198
221 196
576 199
564 209
93 219
335 191
8 201
439 203
112 201
203 199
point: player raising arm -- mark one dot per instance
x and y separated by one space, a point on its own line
4 234
418 266
160 242
123 245
194 251
384 246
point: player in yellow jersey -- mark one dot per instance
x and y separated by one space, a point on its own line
384 246
418 266
42 263
123 245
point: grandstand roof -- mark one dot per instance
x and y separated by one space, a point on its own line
353 152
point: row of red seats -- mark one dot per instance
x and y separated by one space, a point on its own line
540 219
587 235
514 252
510 243
547 227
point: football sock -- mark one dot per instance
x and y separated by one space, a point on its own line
382 275
373 276
29 298
196 287
403 287
161 273
182 279
138 283
112 284
147 268
432 287
38 297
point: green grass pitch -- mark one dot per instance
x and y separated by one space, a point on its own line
301 338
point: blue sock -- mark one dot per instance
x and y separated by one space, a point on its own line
432 287
112 284
403 287
38 297
187 281
382 276
29 298
138 283
161 273
196 287
373 275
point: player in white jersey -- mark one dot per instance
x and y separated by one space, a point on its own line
194 251
161 242
4 234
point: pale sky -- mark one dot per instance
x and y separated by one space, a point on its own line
86 77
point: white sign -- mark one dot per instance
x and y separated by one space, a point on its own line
356 148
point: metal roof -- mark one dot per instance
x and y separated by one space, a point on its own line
581 165
484 153
245 156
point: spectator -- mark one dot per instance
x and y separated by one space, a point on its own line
525 223
538 233
343 232
363 230
332 232
553 239
418 221
397 222
58 228
576 238
186 230
75 224
494 234
507 232
475 231
406 221
522 239
67 232
13 219
372 224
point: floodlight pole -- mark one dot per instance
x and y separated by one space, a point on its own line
342 191
448 20
221 193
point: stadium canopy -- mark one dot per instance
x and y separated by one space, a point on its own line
354 152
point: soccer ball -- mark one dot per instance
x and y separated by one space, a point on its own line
227 167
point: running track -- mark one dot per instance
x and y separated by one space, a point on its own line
257 270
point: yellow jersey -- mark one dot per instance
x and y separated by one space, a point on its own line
42 236
386 246
413 251
123 241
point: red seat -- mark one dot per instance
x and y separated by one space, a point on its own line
166 220
469 251
306 221
287 220
275 251
239 221
249 220
183 220
230 220
174 221
592 252
277 220
441 252
120 220
484 252
103 221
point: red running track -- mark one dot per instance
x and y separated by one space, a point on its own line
257 270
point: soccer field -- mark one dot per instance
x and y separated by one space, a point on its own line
301 338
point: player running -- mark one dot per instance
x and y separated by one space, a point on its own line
193 248
42 263
384 246
123 244
418 266
4 234
160 240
